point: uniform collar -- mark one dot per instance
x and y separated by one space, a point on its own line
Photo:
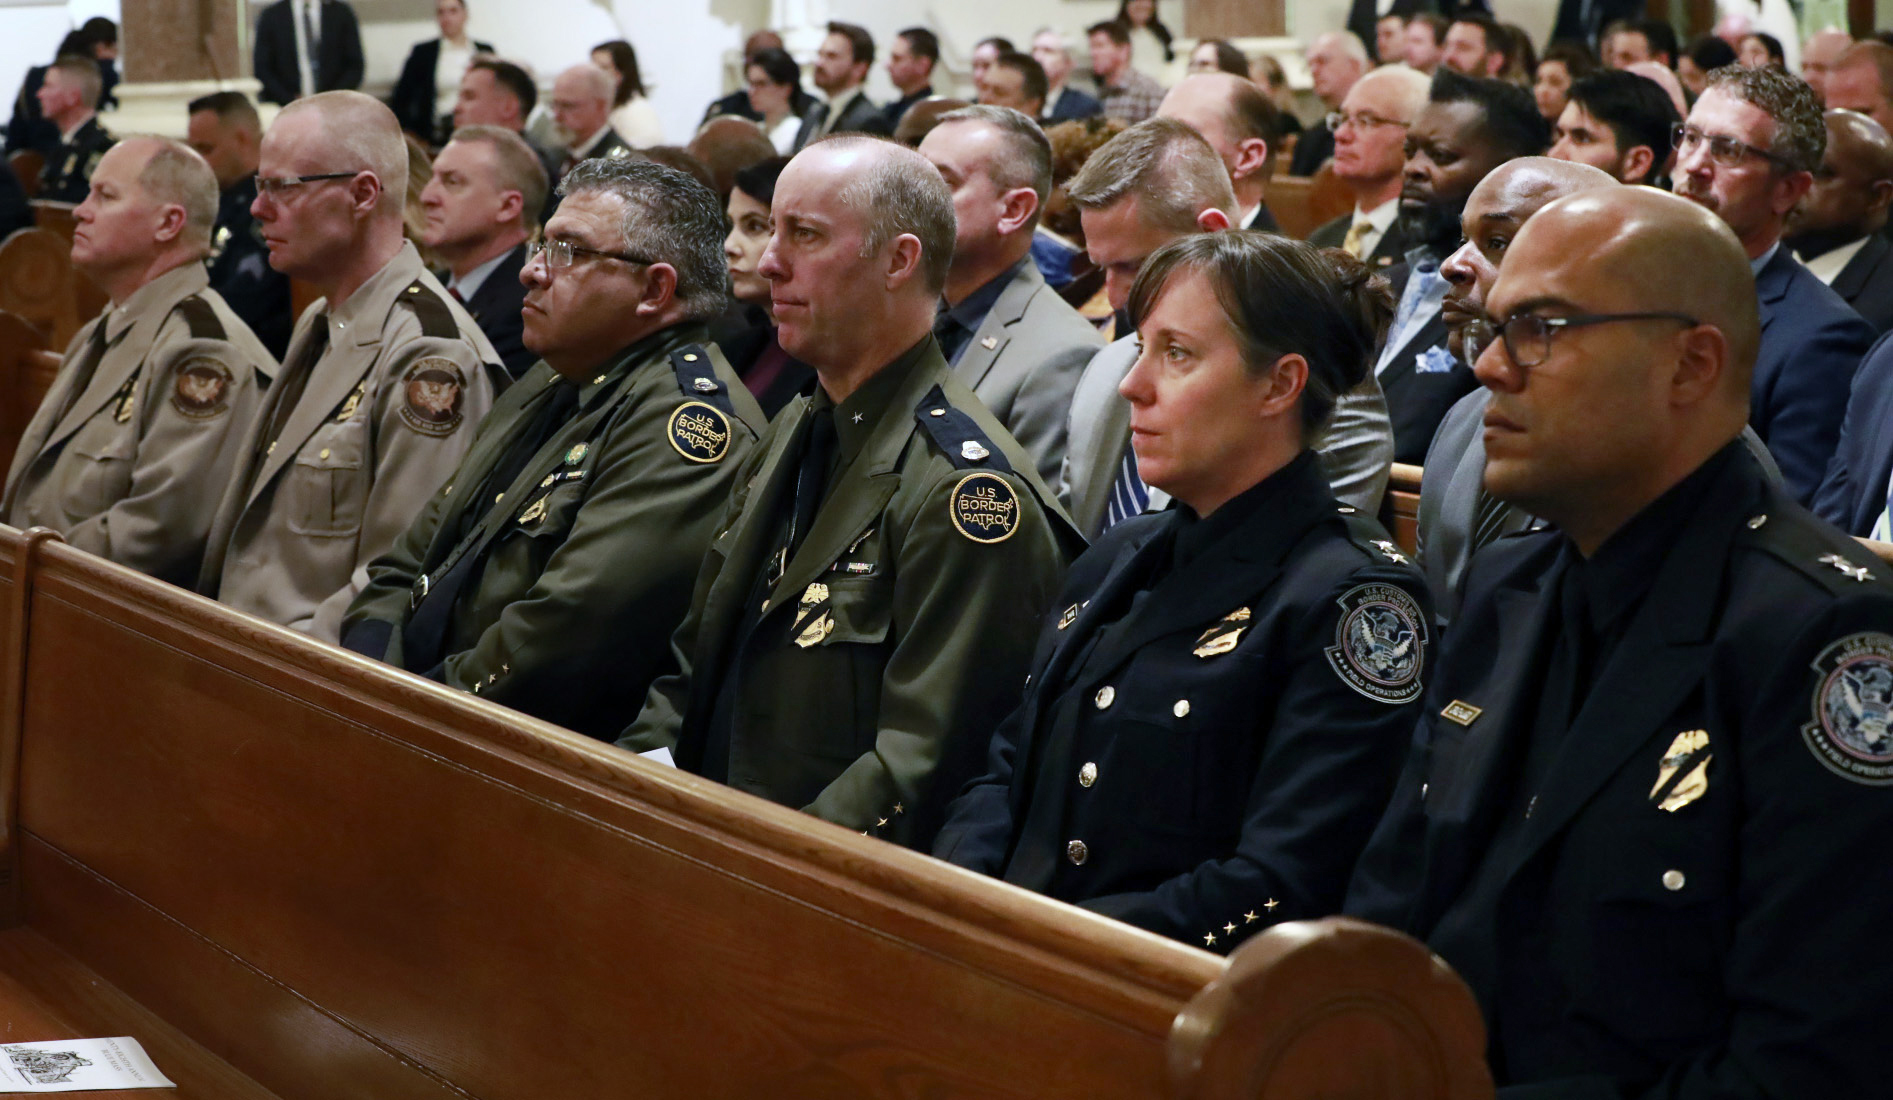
1274 495
857 418
973 308
361 317
656 343
173 286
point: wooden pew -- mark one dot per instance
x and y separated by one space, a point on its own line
1400 508
298 874
1301 204
55 216
88 298
27 164
36 283
27 369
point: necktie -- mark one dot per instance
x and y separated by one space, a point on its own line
1356 237
82 373
455 292
811 479
1129 495
312 37
289 388
951 334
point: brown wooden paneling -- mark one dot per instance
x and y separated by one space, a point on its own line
1400 509
36 283
1234 18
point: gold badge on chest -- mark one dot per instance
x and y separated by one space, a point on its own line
813 621
1683 776
1224 636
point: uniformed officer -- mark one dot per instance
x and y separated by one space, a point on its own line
864 619
1645 811
69 98
225 130
128 453
1215 713
552 570
385 380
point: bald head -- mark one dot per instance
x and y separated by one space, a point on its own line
1819 55
1397 85
1335 61
581 101
1852 190
348 131
922 117
1528 184
1237 119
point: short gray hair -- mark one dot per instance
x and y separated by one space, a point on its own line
517 168
668 216
900 192
1027 161
364 134
1800 138
176 174
1167 166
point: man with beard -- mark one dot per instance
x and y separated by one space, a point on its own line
1748 154
1837 229
1469 127
840 68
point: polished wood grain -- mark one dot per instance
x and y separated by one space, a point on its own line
27 164
1400 508
1302 204
27 370
36 283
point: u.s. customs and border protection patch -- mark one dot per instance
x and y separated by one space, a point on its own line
432 393
1379 643
1851 729
202 390
984 508
700 432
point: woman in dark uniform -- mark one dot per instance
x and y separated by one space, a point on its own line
1221 698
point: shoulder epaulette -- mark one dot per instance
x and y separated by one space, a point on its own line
696 377
431 310
958 436
201 318
1835 563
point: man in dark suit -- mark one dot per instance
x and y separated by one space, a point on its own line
307 46
910 62
1370 157
224 129
500 93
1838 230
737 102
1644 814
1584 20
1468 127
478 211
1063 103
1364 16
1240 123
581 105
1749 151
69 97
842 64
1336 60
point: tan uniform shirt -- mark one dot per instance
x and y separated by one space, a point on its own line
387 415
131 468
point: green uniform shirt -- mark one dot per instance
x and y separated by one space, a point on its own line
898 634
589 553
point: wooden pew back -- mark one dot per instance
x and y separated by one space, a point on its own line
27 164
36 283
347 881
27 369
1400 509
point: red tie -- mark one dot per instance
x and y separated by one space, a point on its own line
455 291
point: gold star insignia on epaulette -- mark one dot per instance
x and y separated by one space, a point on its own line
1228 928
1209 939
881 824
1848 569
899 809
1250 917
1270 904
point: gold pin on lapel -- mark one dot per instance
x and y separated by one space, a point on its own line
1461 712
1070 616
1683 777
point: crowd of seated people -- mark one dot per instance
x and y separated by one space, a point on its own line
993 476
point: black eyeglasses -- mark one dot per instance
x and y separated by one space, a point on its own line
1724 150
560 253
1527 336
278 187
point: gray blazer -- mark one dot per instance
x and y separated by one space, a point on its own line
1356 446
1025 362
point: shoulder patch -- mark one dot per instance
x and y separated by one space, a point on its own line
697 380
433 391
1851 728
699 432
202 391
1379 643
984 507
959 438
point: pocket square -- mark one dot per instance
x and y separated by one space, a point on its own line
1435 360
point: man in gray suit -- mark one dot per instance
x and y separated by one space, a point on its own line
1151 184
1010 337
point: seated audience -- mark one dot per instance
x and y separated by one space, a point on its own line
1619 122
1231 681
1009 338
632 114
479 208
1218 55
1063 103
385 381
868 615
1863 81
1819 54
1389 40
1336 60
737 102
1857 493
1468 127
1760 50
1370 135
429 84
774 81
137 435
1426 38
1267 73
68 98
1058 245
224 129
1014 80
1238 121
1152 184
1838 230
29 128
1705 55
985 52
1475 45
1635 40
841 67
500 93
586 505
581 106
1590 22
1649 771
301 49
1124 92
726 146
774 376
1151 52
910 63
1521 58
1563 64
1748 153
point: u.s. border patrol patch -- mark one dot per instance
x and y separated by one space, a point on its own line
432 392
1379 643
202 390
700 432
1851 729
984 508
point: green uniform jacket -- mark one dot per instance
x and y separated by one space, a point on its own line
898 635
593 546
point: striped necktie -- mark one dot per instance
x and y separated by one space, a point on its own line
1129 495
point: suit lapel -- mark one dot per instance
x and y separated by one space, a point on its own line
984 347
1854 276
491 293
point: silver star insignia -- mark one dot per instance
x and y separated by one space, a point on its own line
1209 939
1393 552
1227 928
1848 569
857 418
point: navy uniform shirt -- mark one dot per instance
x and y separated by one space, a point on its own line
240 270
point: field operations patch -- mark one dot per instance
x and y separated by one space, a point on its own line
202 390
1851 728
1379 643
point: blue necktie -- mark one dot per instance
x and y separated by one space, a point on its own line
1129 495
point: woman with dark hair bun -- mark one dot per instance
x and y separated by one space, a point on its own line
1222 696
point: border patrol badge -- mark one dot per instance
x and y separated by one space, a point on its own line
202 390
1379 643
1223 637
984 508
432 391
1851 729
1683 776
700 432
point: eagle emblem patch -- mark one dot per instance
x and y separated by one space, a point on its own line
1851 729
202 390
1379 643
432 389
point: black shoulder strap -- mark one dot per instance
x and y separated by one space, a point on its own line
957 435
696 377
431 310
201 318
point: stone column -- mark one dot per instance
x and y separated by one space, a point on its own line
173 51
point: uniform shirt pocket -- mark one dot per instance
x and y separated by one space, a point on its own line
102 474
327 485
839 649
1188 782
